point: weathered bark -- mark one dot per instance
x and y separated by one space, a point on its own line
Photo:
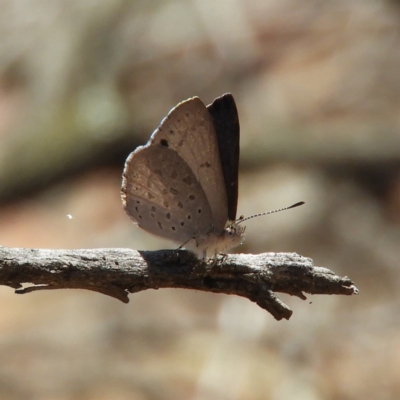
118 272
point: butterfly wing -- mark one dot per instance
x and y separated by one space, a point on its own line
226 122
189 130
161 194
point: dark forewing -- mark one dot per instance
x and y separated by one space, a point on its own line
226 122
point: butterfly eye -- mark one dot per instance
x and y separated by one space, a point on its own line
230 231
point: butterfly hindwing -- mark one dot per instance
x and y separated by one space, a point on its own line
162 195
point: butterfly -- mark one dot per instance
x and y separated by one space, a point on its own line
182 184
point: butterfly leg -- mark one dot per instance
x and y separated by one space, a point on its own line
183 244
220 260
224 256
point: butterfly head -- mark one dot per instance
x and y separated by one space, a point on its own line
233 234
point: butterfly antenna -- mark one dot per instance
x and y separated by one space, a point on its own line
242 219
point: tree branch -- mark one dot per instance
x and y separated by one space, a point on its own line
118 272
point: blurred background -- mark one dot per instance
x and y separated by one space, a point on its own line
317 86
